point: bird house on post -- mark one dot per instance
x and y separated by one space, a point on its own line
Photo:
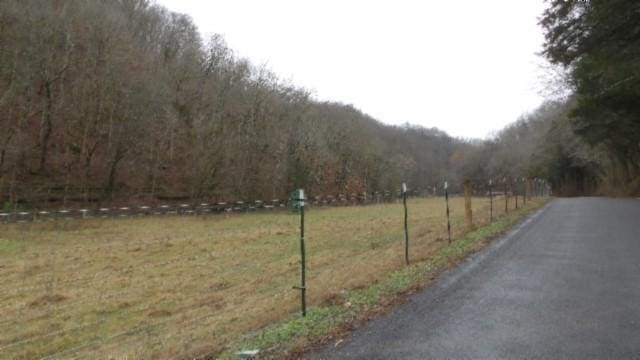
298 197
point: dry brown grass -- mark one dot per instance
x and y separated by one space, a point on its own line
163 287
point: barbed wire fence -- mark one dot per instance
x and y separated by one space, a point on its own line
202 208
511 185
198 313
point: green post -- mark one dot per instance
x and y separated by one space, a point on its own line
303 263
446 200
298 198
406 227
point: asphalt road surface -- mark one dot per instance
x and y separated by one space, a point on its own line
564 284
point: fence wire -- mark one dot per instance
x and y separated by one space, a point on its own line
157 290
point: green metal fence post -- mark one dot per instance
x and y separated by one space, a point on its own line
406 226
446 199
303 264
299 199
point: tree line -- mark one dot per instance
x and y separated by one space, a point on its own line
110 101
597 45
586 140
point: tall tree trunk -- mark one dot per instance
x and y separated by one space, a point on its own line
46 126
119 155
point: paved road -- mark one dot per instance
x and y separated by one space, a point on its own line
563 285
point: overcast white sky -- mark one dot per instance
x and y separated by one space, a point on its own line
467 67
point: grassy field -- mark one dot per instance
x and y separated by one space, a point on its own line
177 287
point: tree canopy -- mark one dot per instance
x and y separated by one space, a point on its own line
599 43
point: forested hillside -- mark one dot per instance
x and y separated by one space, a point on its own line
105 100
122 100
